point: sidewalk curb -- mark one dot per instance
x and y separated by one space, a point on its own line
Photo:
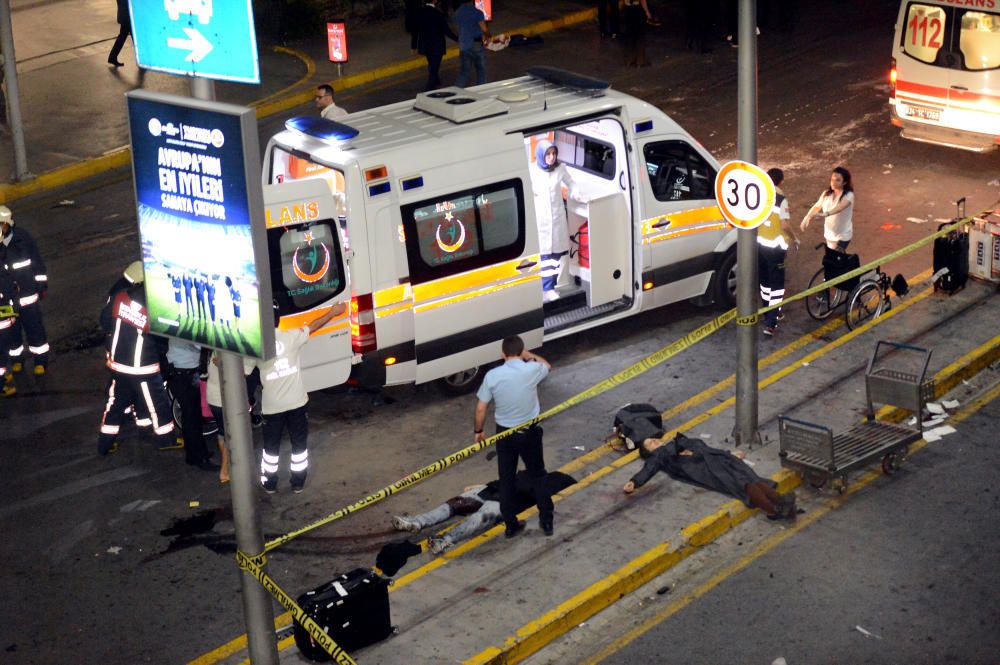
567 615
122 157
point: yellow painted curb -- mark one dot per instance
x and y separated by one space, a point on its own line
121 157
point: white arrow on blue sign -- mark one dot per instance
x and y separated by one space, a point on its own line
201 38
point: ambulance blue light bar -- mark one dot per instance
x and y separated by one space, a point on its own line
413 183
643 126
321 128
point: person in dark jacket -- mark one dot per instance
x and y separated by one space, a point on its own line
134 361
480 506
7 315
124 32
20 258
693 461
432 28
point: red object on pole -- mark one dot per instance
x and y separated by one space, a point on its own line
336 39
486 7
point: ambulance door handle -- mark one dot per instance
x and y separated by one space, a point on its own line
663 222
959 87
525 264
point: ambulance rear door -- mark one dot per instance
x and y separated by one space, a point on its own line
474 270
310 274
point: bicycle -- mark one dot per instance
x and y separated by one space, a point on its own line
821 304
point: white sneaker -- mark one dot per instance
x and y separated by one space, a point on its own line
549 296
439 545
400 523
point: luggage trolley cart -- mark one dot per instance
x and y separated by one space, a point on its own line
894 377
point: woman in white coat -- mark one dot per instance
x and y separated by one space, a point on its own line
547 179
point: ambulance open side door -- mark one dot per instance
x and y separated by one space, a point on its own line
310 274
610 249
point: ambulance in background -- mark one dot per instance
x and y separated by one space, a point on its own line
945 77
422 215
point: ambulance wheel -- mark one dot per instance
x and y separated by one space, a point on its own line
725 281
461 383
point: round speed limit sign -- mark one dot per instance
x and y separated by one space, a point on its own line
745 194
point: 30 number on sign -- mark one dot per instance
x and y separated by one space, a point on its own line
745 194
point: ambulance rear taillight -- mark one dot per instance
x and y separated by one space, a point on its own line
892 80
363 338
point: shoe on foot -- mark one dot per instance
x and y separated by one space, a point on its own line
439 545
269 486
17 367
107 448
8 389
768 330
547 527
516 528
400 523
297 487
39 370
115 63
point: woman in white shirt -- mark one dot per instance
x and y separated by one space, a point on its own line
836 208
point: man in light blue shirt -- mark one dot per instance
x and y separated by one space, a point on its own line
513 387
472 32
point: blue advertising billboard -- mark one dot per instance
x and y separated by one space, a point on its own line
202 38
196 168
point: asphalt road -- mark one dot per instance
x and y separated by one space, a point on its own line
89 571
905 572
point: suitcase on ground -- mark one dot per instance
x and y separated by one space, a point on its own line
353 608
634 423
952 252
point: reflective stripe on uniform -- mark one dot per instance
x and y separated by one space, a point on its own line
134 371
38 350
300 461
268 463
109 429
20 264
41 278
16 353
29 300
159 428
143 422
6 323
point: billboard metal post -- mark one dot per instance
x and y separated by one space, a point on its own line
21 172
745 430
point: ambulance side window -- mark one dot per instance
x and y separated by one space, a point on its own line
307 268
464 230
924 35
677 172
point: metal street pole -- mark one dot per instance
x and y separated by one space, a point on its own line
21 172
258 612
745 430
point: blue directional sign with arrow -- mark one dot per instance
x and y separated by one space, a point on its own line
202 38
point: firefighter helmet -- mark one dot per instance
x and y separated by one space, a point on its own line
134 272
6 216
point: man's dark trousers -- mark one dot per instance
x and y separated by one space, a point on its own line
526 444
186 389
434 70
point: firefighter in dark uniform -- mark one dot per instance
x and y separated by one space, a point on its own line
134 361
773 237
19 256
7 316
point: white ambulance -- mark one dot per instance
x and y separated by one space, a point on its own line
422 214
945 77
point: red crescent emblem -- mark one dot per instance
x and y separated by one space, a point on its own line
308 277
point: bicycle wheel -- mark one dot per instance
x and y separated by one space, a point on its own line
865 303
821 304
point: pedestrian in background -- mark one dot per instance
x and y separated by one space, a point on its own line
124 32
411 22
636 15
284 401
472 32
134 360
324 102
607 18
773 239
19 256
699 16
432 28
513 387
836 208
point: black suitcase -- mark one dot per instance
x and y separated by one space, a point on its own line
952 252
634 423
353 608
836 263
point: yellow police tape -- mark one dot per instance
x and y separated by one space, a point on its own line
621 377
252 565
